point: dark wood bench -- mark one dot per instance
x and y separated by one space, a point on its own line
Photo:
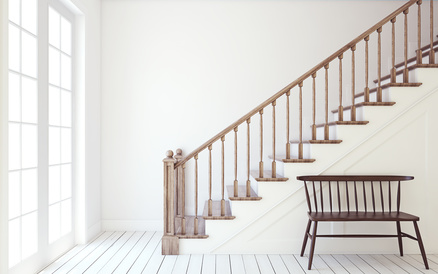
356 199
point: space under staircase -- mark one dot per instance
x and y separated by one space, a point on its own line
309 147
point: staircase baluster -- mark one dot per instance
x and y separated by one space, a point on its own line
210 201
248 181
183 209
406 70
389 195
379 65
393 70
341 108
432 51
223 178
287 125
326 126
236 183
314 107
274 164
419 51
367 89
261 145
195 228
300 145
353 84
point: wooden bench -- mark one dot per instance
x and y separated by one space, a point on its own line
356 199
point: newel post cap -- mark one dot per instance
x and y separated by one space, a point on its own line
169 156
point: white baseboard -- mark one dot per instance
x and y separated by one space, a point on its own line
93 231
132 225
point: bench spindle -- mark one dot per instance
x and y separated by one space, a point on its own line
364 196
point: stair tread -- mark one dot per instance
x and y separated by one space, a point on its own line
345 123
267 176
360 94
366 104
313 142
297 160
241 194
216 211
282 158
325 141
190 228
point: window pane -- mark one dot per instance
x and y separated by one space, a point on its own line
14 194
29 235
54 145
29 100
54 66
54 222
14 48
66 217
14 11
54 107
54 28
29 190
29 146
65 36
54 184
28 55
29 15
14 97
65 145
66 108
65 181
65 72
14 242
14 146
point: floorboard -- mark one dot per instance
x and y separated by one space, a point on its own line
250 263
181 264
292 264
347 264
134 253
264 264
119 257
141 261
236 262
195 264
140 252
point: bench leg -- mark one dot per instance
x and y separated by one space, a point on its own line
312 245
306 236
420 243
400 243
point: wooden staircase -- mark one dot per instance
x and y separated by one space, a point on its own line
179 225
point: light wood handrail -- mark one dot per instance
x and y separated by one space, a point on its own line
297 81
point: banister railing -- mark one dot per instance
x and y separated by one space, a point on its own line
301 79
192 226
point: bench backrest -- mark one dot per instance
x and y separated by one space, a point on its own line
353 193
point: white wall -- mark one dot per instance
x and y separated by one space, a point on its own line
175 73
88 119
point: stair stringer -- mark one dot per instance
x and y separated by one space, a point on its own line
276 223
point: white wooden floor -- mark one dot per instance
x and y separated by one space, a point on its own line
140 252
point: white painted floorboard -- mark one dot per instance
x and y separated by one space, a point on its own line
140 252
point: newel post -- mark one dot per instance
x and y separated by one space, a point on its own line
170 242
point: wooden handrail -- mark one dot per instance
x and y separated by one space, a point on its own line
297 81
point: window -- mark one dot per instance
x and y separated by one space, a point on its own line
40 144
60 126
23 130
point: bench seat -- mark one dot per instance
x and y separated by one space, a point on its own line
360 216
